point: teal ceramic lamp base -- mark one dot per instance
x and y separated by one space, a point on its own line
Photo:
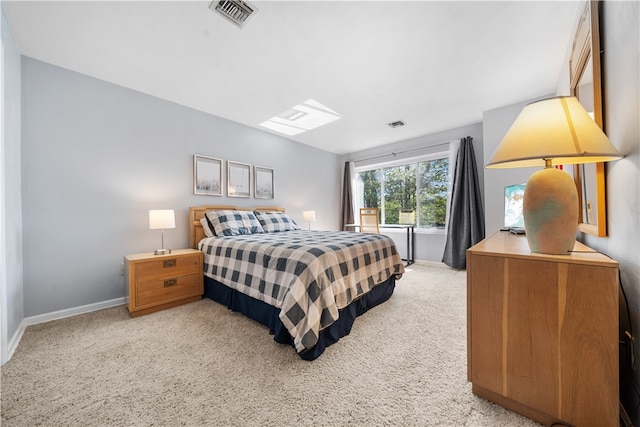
550 210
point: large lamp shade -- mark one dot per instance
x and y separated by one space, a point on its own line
555 128
547 132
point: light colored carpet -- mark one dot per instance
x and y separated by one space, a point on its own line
404 363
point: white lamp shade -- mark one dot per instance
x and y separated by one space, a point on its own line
162 219
309 216
555 128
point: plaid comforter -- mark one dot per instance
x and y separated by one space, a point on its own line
308 275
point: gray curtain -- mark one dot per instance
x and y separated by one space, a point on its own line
346 216
466 220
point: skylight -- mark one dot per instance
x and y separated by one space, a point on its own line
301 118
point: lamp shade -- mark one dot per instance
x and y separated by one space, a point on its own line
162 219
556 128
309 216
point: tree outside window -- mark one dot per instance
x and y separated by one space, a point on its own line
415 191
369 185
434 182
399 191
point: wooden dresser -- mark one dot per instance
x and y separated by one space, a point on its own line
542 331
156 282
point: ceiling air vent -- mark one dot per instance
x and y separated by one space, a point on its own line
236 11
396 124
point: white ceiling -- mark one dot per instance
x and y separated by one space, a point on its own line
436 65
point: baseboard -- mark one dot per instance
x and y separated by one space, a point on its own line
431 263
14 341
56 315
74 311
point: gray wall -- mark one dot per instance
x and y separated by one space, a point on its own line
11 205
620 25
429 246
96 157
621 73
496 124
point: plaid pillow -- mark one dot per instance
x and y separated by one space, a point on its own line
273 222
234 223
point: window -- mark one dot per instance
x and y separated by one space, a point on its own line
414 191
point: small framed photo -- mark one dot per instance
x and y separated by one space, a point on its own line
263 186
207 175
238 179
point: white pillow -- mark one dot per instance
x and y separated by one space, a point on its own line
205 227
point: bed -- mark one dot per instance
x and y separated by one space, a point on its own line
306 286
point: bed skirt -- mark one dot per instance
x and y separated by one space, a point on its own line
268 315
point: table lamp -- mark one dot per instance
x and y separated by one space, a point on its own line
309 216
549 132
162 219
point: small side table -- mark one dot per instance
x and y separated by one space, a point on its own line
156 282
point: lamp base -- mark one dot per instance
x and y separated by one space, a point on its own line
162 251
550 210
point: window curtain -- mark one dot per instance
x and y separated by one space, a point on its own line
466 217
454 147
346 216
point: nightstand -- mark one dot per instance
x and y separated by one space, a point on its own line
156 282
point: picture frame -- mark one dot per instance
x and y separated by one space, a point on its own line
263 185
207 175
238 179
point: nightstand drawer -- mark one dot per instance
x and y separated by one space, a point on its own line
167 267
167 289
156 282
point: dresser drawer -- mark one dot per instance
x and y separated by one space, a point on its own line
160 291
154 270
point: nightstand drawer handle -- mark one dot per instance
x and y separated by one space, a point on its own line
170 282
169 263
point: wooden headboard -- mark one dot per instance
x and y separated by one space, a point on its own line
196 213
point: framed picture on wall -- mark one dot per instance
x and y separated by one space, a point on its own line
263 186
238 179
207 175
